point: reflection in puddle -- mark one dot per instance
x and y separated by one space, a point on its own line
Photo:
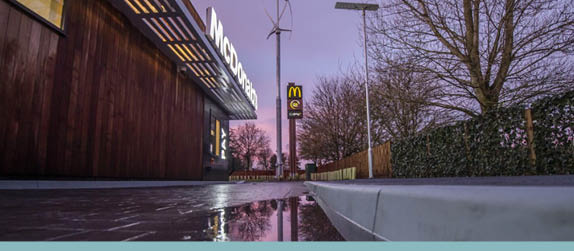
271 221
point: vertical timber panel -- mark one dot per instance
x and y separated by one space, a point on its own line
98 102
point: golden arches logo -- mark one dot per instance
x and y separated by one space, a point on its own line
295 92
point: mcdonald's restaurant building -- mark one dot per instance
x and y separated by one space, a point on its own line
117 89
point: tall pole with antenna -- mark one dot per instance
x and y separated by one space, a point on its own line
279 151
277 31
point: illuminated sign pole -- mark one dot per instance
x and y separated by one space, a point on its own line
294 112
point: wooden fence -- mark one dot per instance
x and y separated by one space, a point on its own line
342 174
381 163
263 175
353 167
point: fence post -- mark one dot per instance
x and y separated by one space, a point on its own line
428 145
466 137
390 160
531 144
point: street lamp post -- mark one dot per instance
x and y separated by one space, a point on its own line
364 8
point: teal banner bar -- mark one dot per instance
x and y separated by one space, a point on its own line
274 246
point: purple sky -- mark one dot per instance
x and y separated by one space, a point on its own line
324 41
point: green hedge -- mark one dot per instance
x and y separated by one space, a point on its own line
554 134
493 144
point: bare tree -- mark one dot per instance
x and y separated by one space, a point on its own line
273 160
250 222
247 141
264 156
334 124
392 109
483 53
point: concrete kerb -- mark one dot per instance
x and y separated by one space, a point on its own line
448 213
67 184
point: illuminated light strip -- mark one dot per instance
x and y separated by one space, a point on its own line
206 80
211 83
205 83
186 29
193 69
161 29
141 6
160 6
216 84
212 80
177 28
154 30
214 66
188 51
153 9
174 51
169 5
206 54
198 70
182 52
197 52
208 67
169 28
133 7
204 70
223 83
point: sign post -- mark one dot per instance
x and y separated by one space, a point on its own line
294 112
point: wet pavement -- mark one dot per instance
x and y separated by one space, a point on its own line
233 212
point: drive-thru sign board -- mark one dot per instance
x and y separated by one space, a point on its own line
294 101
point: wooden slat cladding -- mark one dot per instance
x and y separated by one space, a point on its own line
101 101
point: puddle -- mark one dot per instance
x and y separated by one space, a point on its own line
289 219
293 219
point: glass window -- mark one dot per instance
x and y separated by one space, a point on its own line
217 138
51 10
212 134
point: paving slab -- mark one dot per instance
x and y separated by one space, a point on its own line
448 212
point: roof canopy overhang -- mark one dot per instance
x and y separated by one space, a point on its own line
173 29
